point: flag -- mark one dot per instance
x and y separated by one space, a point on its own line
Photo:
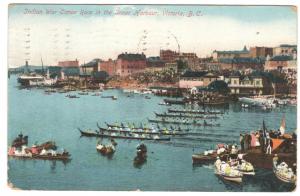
282 126
264 129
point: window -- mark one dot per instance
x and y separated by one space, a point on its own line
234 82
258 82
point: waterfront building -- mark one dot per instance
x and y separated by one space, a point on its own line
108 66
283 62
261 52
70 69
237 63
192 79
230 54
286 50
90 67
128 63
248 85
169 56
65 64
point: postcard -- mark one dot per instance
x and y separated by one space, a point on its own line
130 97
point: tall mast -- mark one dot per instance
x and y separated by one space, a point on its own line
42 67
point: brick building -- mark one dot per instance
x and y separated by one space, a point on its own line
261 52
230 54
128 64
68 63
192 79
109 67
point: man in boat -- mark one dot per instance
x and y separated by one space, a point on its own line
269 145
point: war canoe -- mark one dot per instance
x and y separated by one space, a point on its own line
91 134
141 132
186 116
142 128
183 123
194 111
62 157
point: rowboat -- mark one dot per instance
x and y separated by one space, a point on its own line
137 137
125 131
201 158
171 101
105 150
141 155
246 168
184 123
194 111
185 116
226 172
72 96
283 173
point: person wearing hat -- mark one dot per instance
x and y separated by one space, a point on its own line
34 149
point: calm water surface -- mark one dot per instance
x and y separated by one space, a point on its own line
169 165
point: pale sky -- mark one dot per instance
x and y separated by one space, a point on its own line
60 36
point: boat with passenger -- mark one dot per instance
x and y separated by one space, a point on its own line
225 171
120 136
195 111
180 115
184 122
105 149
141 131
46 151
283 172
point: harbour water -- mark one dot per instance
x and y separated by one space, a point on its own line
169 165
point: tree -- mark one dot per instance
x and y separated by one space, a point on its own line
181 65
219 86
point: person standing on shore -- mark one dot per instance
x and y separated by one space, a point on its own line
242 142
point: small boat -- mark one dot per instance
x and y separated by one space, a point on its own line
105 149
283 173
72 96
246 168
172 101
226 172
141 155
96 94
83 93
114 98
147 97
208 156
204 157
164 103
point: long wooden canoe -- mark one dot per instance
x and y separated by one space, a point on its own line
94 134
183 123
194 111
187 116
143 128
141 132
